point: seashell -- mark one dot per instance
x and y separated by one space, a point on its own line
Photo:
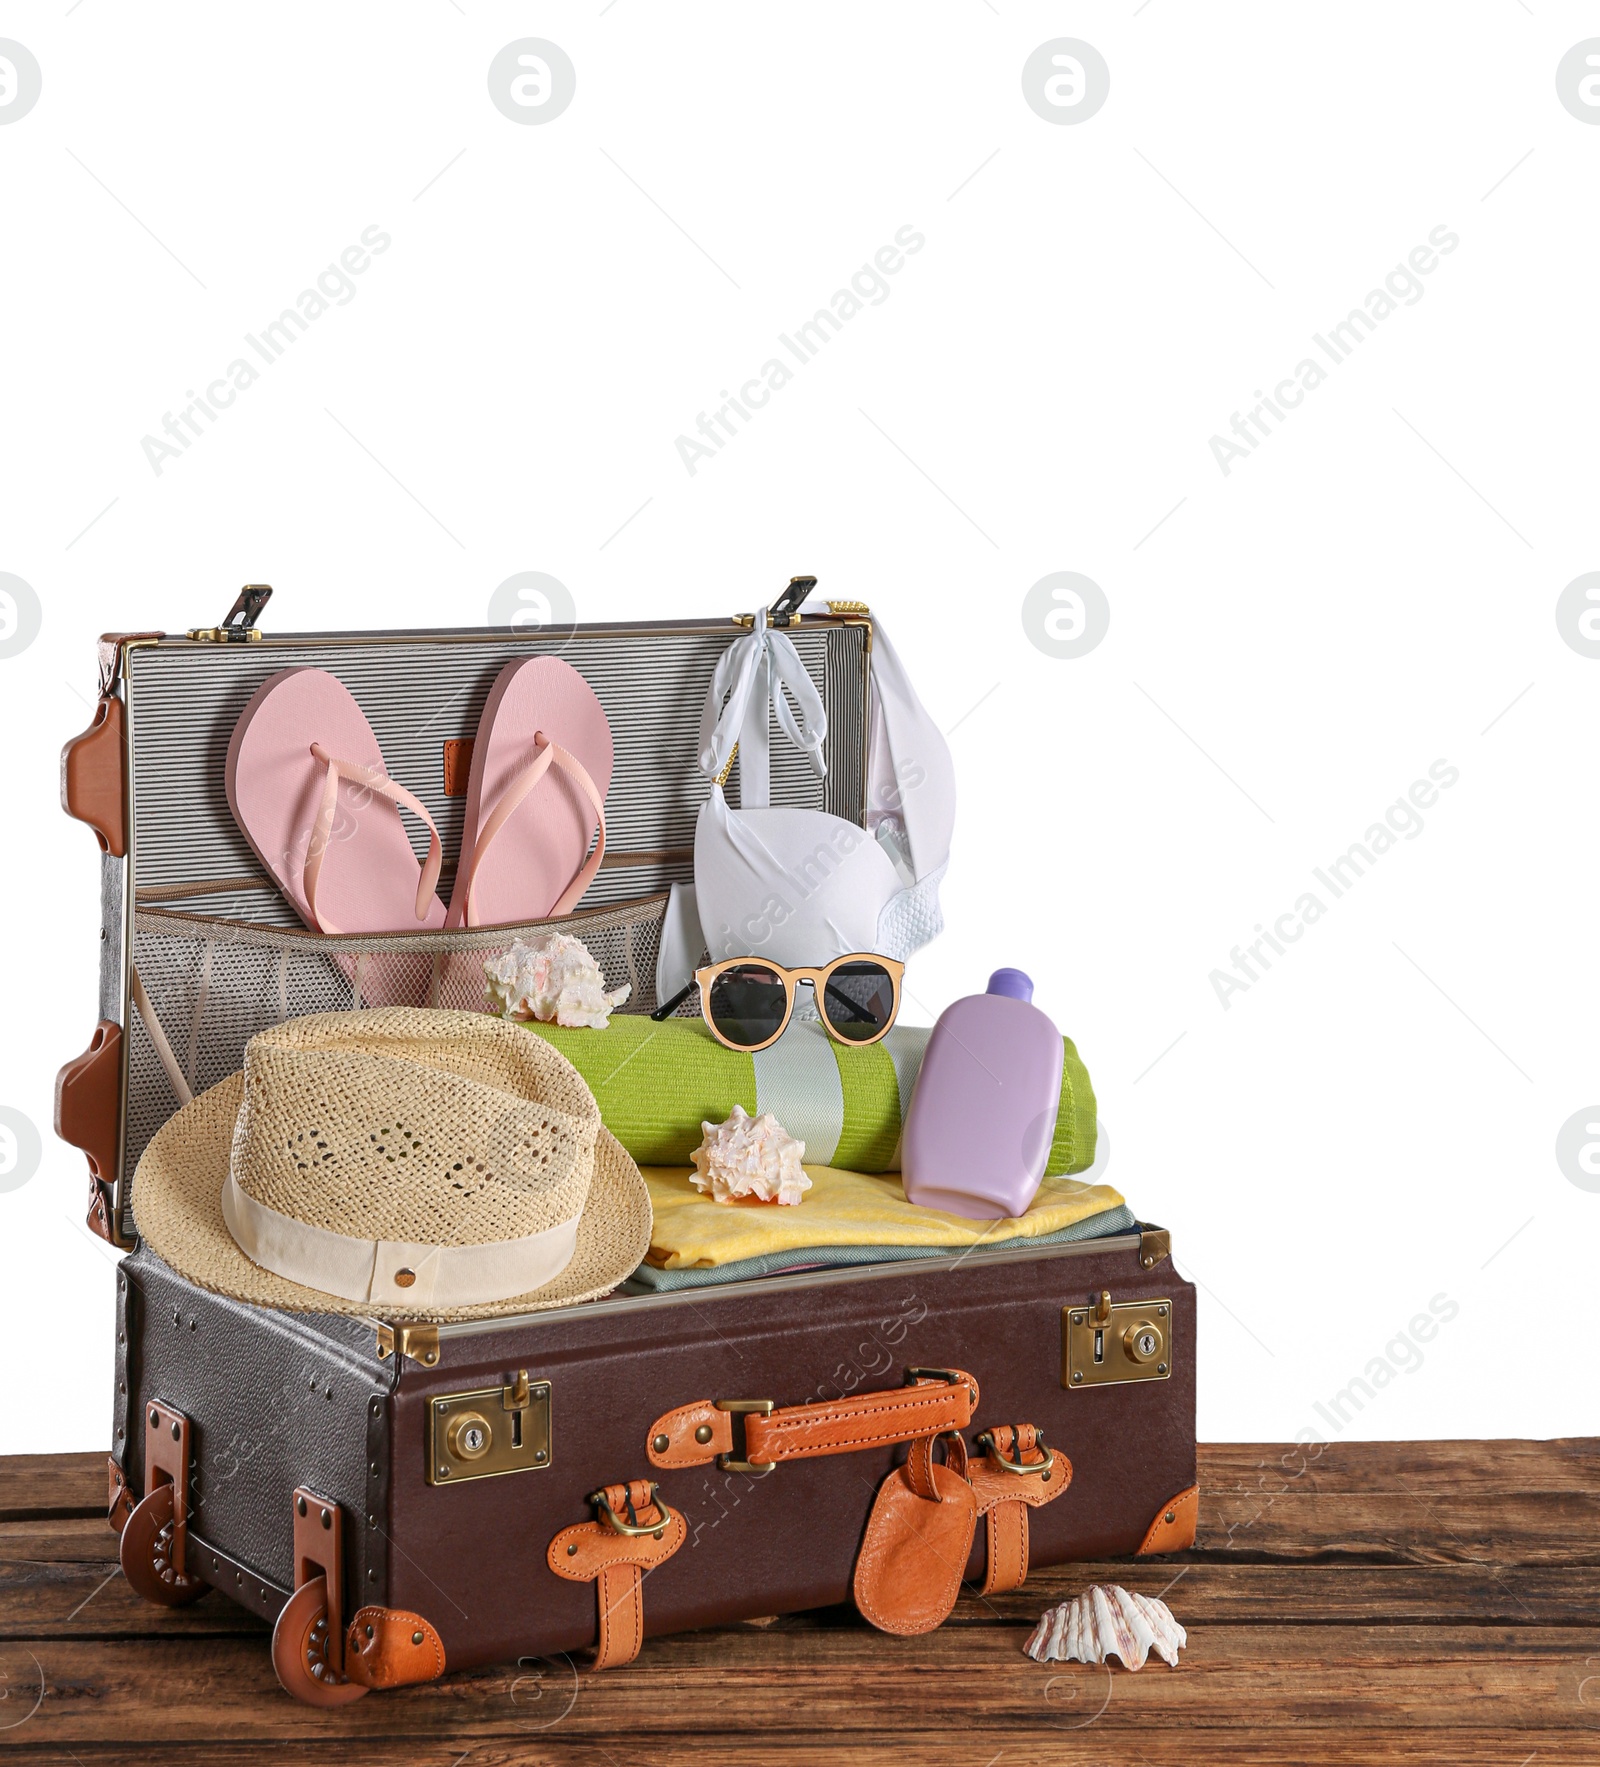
1107 1621
551 978
749 1157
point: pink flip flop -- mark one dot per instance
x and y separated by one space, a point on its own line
307 785
541 767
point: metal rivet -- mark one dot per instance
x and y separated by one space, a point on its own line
1044 1478
300 1506
176 1432
1161 1312
404 1278
1147 1261
1171 1518
327 1519
444 1472
702 1435
1161 1368
540 1455
238 1576
372 1576
1077 1374
660 1444
416 1638
658 1533
369 1631
572 1550
373 1469
155 1420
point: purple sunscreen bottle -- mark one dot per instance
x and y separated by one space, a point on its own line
983 1115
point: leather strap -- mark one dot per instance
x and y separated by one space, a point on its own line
930 1405
1004 1498
322 828
617 1562
525 780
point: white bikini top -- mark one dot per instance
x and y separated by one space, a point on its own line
803 886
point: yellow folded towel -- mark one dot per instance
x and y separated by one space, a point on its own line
841 1208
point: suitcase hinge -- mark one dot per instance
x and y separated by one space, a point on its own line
419 1342
239 623
1155 1243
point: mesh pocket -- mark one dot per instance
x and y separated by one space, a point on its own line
202 988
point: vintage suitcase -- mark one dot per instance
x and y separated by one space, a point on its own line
404 1500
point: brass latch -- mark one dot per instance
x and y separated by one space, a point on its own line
489 1431
1109 1342
239 623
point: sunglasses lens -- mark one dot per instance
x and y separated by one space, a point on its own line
859 1001
747 1005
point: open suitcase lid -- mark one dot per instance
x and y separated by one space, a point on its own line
149 777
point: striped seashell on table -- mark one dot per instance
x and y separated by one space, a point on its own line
1107 1621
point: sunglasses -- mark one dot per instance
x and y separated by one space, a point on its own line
748 1001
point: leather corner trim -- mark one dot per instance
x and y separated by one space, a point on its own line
88 1091
1174 1525
109 654
94 777
677 1429
119 1499
389 1647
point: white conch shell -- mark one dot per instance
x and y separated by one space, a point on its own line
552 978
749 1156
1107 1621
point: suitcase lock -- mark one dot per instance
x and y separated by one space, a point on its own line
488 1431
1111 1342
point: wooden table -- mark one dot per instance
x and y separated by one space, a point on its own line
1420 1602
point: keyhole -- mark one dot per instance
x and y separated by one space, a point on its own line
1099 1346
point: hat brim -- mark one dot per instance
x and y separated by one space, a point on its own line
177 1197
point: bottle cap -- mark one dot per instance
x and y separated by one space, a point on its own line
1012 983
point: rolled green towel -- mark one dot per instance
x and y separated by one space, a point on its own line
656 1083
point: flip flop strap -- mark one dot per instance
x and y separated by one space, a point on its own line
322 829
523 782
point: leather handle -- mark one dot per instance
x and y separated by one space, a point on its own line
88 1099
94 777
696 1434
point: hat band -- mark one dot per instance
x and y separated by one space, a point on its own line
392 1272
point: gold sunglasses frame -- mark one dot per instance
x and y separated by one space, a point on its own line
818 978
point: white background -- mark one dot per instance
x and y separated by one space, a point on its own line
1373 1123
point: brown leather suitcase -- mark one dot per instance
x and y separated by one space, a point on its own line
449 1554
404 1500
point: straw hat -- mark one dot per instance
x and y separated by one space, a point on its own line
400 1164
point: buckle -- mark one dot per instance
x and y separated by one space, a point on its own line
632 1526
739 1460
987 1443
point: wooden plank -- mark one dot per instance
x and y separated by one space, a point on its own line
1424 1468
67 1598
52 1484
1039 1745
1484 1526
748 1686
